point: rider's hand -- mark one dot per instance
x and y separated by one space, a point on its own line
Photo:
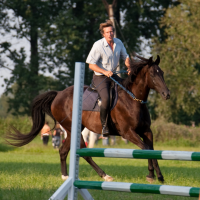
128 71
108 73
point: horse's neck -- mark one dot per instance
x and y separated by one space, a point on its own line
139 87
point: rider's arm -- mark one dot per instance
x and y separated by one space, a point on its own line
96 68
125 57
127 62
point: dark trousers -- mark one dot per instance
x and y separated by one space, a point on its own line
102 85
45 139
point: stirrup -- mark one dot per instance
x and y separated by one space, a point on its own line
104 132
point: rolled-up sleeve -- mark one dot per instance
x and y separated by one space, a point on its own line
94 55
123 52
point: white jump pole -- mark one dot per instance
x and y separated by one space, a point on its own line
68 185
76 126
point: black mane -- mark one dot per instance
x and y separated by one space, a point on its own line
136 66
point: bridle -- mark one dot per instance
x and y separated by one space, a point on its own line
127 91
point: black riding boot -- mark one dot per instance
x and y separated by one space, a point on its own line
104 118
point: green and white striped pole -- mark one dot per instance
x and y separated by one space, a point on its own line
140 154
139 188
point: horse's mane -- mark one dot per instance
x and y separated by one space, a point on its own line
135 67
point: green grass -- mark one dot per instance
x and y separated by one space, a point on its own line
33 172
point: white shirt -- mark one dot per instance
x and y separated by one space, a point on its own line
102 55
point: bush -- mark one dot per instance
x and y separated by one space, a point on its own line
163 132
174 134
23 124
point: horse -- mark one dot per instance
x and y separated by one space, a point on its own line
130 117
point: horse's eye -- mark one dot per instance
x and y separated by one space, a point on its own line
157 70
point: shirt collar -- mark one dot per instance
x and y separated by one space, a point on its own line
106 43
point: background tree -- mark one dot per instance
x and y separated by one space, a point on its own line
3 106
63 32
180 53
75 35
30 17
141 20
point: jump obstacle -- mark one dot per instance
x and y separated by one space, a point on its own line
73 185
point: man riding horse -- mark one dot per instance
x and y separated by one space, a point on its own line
103 60
130 115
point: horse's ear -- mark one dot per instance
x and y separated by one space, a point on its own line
157 60
150 61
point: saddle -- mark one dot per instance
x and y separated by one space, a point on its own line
92 100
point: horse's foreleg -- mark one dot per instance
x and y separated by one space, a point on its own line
99 171
158 172
147 143
152 163
133 137
64 150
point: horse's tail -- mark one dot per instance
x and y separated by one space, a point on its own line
40 105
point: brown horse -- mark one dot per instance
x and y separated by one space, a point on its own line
130 118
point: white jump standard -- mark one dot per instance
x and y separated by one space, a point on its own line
67 187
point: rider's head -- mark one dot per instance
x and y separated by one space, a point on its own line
106 24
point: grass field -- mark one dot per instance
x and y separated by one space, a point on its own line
33 172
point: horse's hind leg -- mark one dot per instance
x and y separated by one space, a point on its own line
152 163
99 171
64 150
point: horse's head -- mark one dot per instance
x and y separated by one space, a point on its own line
155 79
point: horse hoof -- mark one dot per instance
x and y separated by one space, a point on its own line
64 178
161 179
108 178
150 179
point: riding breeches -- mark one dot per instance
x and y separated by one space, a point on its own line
102 84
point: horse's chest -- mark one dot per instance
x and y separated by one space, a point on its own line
143 121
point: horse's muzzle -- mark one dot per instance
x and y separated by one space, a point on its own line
166 95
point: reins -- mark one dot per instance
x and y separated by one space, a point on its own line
127 91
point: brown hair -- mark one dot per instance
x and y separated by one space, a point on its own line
108 23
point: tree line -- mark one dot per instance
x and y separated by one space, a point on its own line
180 53
61 33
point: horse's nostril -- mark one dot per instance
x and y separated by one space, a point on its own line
166 95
